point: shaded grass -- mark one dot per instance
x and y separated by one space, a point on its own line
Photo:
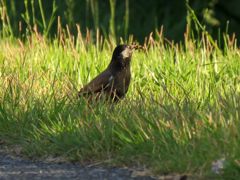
180 114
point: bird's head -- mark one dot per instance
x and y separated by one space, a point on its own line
122 55
123 52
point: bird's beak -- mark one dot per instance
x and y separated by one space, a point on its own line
133 47
129 50
136 47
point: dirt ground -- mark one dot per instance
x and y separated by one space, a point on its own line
13 167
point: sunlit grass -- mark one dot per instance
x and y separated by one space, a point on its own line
181 112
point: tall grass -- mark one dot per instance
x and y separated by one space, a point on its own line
180 114
130 17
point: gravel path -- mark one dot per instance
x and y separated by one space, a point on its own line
12 167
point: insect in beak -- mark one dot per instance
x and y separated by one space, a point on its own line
136 47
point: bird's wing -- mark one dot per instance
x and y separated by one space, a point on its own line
99 83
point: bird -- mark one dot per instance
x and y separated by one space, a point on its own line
113 82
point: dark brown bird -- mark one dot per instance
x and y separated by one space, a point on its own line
114 81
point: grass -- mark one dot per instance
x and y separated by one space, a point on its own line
181 112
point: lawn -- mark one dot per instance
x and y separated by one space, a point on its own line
180 115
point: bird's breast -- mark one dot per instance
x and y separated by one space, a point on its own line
121 82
